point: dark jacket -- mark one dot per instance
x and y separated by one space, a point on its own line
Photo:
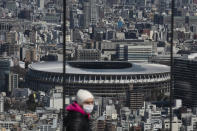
76 119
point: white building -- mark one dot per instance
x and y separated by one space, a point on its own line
111 112
41 4
176 124
1 103
56 101
135 50
13 81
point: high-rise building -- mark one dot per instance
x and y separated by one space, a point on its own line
185 80
134 51
11 5
101 123
88 54
162 5
9 49
11 37
4 74
1 103
28 53
86 13
136 98
13 81
4 26
94 12
40 4
90 12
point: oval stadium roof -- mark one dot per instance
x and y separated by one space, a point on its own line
126 69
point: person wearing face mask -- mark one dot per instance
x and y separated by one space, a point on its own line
79 112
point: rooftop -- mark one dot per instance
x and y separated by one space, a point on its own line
97 68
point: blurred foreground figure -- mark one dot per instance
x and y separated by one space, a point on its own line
79 112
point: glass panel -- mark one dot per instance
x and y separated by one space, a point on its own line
50 49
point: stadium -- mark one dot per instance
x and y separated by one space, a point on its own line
105 79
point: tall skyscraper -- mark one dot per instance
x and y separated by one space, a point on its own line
90 12
185 81
4 74
40 4
13 81
94 12
87 13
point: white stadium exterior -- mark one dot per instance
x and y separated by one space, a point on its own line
106 79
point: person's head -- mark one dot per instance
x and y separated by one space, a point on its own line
86 100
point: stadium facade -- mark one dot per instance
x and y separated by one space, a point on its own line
105 79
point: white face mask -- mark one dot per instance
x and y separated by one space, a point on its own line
88 108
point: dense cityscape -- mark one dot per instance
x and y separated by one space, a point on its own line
119 50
